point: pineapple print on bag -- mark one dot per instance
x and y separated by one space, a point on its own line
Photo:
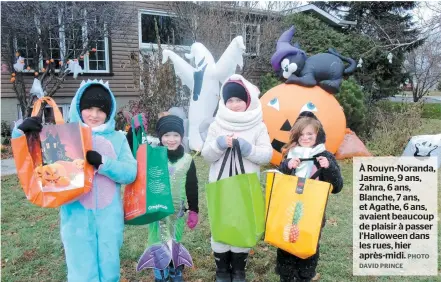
291 233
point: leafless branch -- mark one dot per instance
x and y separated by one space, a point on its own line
424 66
37 26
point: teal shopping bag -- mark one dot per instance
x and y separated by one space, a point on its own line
236 208
148 198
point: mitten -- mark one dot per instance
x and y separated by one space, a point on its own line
222 142
32 124
245 147
94 158
192 220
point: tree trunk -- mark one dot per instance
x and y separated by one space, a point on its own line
415 93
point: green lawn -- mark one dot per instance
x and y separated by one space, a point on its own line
32 250
430 111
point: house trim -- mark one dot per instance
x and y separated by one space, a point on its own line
325 16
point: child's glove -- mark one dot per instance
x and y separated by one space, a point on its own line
192 220
245 147
32 124
94 158
323 161
222 142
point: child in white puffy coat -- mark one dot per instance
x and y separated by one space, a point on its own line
239 116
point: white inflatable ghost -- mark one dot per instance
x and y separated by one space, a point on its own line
19 65
424 146
37 89
204 81
75 68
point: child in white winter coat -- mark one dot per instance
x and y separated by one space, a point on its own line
239 116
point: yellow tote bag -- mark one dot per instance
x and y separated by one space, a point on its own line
295 208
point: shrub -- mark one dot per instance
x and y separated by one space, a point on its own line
391 127
352 99
267 82
6 129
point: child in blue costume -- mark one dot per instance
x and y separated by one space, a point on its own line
92 227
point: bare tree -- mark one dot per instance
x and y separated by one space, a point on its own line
215 24
424 66
48 36
159 89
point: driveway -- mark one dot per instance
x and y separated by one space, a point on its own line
8 167
409 99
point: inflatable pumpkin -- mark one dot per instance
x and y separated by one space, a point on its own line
282 104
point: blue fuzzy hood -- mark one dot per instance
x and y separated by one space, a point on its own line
75 114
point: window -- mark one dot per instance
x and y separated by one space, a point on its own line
251 36
48 113
28 52
54 43
169 34
73 41
61 42
99 60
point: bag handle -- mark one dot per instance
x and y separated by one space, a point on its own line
137 138
224 162
235 149
316 174
48 100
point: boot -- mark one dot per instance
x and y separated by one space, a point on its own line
287 279
223 272
176 273
238 263
161 275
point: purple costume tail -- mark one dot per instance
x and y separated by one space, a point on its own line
159 257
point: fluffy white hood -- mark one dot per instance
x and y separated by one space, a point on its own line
238 121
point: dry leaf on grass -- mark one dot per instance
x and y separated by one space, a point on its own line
332 221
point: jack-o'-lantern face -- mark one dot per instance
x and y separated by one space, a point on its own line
39 172
282 105
79 164
54 174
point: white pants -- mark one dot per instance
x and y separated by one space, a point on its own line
223 248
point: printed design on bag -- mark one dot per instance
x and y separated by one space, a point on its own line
59 176
292 232
79 164
103 190
52 175
61 143
53 149
157 207
63 158
155 175
131 202
424 149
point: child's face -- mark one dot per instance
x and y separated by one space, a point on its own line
308 137
171 140
236 105
93 116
